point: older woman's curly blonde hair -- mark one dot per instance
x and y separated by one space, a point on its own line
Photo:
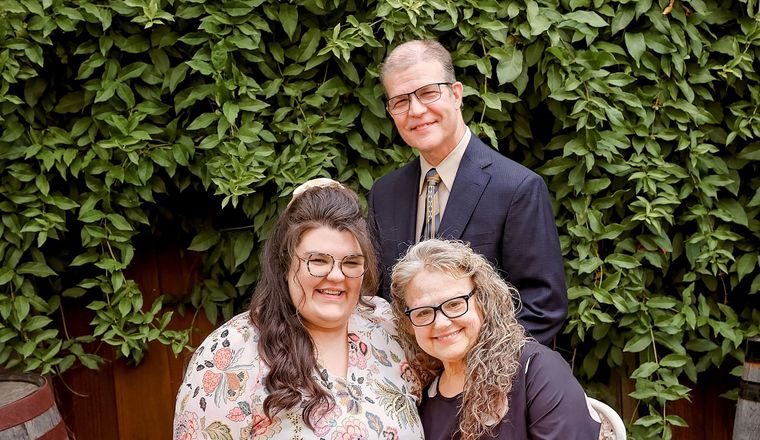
493 361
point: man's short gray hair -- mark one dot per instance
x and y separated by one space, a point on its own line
413 52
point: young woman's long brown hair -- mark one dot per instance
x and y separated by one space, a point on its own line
284 343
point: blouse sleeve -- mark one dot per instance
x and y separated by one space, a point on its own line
383 315
381 332
556 403
223 369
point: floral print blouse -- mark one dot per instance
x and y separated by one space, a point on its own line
222 394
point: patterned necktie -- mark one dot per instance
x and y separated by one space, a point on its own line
432 210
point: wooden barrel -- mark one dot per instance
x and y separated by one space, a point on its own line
28 410
747 420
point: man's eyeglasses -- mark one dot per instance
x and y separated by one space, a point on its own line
426 95
319 265
451 308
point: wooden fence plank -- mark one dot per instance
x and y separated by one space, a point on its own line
145 394
86 401
710 417
144 397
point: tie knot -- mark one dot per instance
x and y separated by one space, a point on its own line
432 176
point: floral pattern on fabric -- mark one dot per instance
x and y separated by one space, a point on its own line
222 394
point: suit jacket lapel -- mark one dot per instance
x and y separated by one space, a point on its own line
469 185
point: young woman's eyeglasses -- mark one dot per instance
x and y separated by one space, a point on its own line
319 265
426 95
451 308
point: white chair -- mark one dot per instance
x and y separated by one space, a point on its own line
613 427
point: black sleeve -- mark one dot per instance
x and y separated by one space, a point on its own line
532 259
384 287
556 403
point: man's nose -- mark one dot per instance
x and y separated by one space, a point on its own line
415 106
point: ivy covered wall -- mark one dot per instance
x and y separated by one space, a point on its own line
126 122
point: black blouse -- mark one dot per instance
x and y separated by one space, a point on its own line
546 402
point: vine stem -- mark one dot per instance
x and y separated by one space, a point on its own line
63 323
65 384
192 325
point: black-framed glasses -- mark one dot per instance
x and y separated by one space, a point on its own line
319 265
426 95
451 308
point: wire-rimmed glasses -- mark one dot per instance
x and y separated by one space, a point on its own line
320 265
427 94
451 308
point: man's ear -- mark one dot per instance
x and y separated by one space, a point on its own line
457 89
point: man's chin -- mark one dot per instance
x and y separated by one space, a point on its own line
424 143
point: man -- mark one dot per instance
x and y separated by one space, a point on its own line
459 188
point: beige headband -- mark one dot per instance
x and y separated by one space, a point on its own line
318 182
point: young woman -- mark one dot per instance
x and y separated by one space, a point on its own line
313 357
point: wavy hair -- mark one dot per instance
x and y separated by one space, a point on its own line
412 52
284 342
493 361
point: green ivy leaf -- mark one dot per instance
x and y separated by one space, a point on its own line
636 44
73 292
203 121
538 19
510 63
674 360
622 18
755 287
365 178
586 17
735 210
701 345
72 102
120 222
35 268
36 322
289 19
204 240
622 261
230 111
661 302
6 275
243 246
645 370
638 343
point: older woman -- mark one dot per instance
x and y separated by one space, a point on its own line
484 377
313 357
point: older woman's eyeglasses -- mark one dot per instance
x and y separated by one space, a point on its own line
426 95
319 265
451 308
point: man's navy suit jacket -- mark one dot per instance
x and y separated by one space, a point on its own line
503 210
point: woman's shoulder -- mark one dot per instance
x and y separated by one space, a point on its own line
533 348
539 362
377 316
238 337
375 324
238 327
222 379
380 304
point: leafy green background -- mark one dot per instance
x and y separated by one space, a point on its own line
189 123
